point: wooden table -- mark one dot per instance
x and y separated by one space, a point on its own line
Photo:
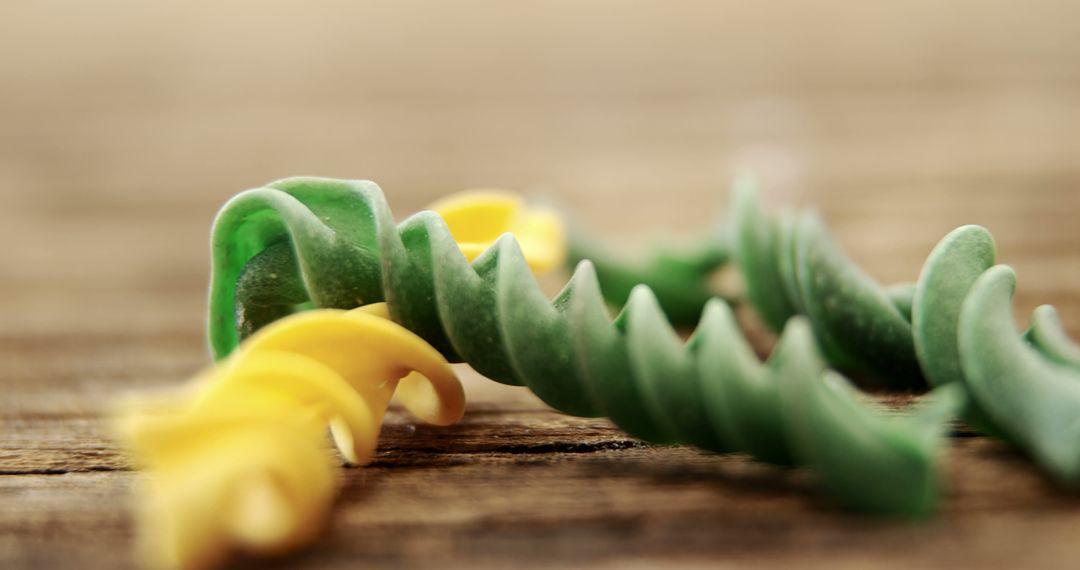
124 125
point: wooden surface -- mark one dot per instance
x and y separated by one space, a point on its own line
123 125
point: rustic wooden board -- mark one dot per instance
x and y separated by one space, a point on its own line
124 125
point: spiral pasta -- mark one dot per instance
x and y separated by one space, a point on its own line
303 241
712 392
237 458
1023 388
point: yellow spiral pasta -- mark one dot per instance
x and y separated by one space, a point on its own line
237 459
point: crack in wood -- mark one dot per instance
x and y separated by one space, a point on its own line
61 470
568 447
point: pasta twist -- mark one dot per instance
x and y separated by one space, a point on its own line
325 242
238 457
1024 388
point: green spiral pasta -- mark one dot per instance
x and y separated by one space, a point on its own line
316 242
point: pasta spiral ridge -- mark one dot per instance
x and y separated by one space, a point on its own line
680 275
334 243
791 266
1024 387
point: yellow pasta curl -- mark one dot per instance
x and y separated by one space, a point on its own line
476 218
237 458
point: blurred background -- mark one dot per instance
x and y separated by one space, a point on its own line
125 124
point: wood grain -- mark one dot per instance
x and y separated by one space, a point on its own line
124 125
